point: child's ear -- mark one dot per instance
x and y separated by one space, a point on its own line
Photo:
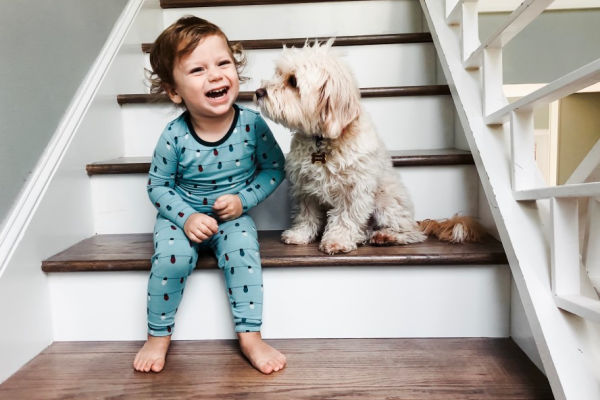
173 95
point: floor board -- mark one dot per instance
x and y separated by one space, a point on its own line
318 369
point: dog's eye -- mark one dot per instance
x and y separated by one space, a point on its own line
292 81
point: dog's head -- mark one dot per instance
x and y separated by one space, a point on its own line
312 92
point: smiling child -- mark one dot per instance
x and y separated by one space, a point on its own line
210 166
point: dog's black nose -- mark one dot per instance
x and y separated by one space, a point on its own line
260 93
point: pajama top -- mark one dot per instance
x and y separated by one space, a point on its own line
188 174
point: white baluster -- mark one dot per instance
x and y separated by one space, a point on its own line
493 95
565 246
522 143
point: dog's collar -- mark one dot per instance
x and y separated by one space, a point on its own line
318 156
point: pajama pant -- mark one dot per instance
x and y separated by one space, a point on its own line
236 249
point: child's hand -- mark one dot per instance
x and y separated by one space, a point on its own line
228 206
199 227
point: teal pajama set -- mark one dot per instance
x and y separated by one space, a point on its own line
187 175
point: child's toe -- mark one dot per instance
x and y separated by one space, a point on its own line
158 365
147 366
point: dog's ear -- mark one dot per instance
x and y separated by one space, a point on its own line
339 104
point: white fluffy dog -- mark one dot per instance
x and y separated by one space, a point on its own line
340 172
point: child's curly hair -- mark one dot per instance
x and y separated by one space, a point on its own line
179 40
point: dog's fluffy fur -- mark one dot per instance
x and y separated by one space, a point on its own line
354 197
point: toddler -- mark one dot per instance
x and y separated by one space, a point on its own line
210 166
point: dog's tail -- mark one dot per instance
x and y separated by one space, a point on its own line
458 229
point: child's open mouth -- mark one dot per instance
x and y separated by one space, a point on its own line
217 93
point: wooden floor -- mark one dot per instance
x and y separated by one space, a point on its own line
318 369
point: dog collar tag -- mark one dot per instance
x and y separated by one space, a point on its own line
318 157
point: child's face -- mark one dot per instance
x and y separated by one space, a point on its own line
206 80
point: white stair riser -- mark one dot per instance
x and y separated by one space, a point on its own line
340 302
404 123
309 19
410 64
121 204
127 73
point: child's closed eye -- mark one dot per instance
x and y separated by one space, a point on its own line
196 70
224 62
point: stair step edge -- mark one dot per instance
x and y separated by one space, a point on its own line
394 91
137 165
132 252
357 40
222 3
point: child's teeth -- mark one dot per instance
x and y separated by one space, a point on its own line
217 93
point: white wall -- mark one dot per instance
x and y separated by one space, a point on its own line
50 62
47 47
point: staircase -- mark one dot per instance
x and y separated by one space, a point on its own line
96 264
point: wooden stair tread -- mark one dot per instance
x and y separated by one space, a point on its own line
418 369
219 3
401 158
357 40
132 252
393 91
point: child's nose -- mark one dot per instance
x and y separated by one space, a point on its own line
215 73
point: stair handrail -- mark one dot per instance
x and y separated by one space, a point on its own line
514 186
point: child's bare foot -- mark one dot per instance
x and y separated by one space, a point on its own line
152 355
262 356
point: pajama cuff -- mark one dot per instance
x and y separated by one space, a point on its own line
155 330
248 326
246 205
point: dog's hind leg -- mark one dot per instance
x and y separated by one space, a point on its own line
393 216
307 224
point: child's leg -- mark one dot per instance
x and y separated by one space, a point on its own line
173 261
236 249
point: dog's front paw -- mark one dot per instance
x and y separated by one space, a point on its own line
336 246
296 236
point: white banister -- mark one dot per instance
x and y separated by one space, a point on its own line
561 87
519 19
580 305
562 191
542 240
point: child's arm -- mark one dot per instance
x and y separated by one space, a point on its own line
269 167
161 183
